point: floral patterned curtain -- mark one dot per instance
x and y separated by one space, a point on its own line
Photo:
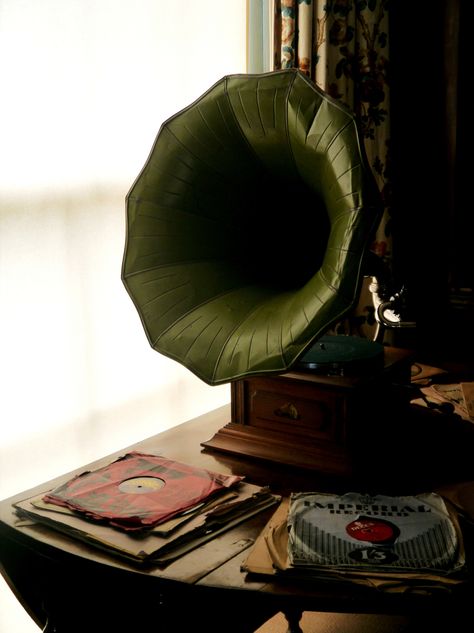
342 45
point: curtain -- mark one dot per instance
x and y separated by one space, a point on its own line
343 46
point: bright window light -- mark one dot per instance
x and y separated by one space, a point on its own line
87 82
86 86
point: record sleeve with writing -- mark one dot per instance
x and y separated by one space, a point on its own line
165 542
378 532
139 490
386 543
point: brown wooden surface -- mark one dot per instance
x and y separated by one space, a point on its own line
48 571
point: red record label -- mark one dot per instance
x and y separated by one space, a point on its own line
372 530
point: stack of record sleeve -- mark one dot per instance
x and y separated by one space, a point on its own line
146 508
392 543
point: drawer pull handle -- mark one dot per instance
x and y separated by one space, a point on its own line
288 410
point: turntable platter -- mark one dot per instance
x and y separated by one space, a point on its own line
337 354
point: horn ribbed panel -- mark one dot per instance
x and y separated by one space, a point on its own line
247 226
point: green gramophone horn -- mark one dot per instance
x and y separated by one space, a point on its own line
248 226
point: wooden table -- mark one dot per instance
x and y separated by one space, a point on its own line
67 586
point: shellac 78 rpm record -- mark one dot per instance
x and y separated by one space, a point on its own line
139 490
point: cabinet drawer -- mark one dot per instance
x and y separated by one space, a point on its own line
296 409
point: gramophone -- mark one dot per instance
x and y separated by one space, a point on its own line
248 233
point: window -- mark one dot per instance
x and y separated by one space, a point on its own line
87 84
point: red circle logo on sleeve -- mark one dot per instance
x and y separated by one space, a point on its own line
372 530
